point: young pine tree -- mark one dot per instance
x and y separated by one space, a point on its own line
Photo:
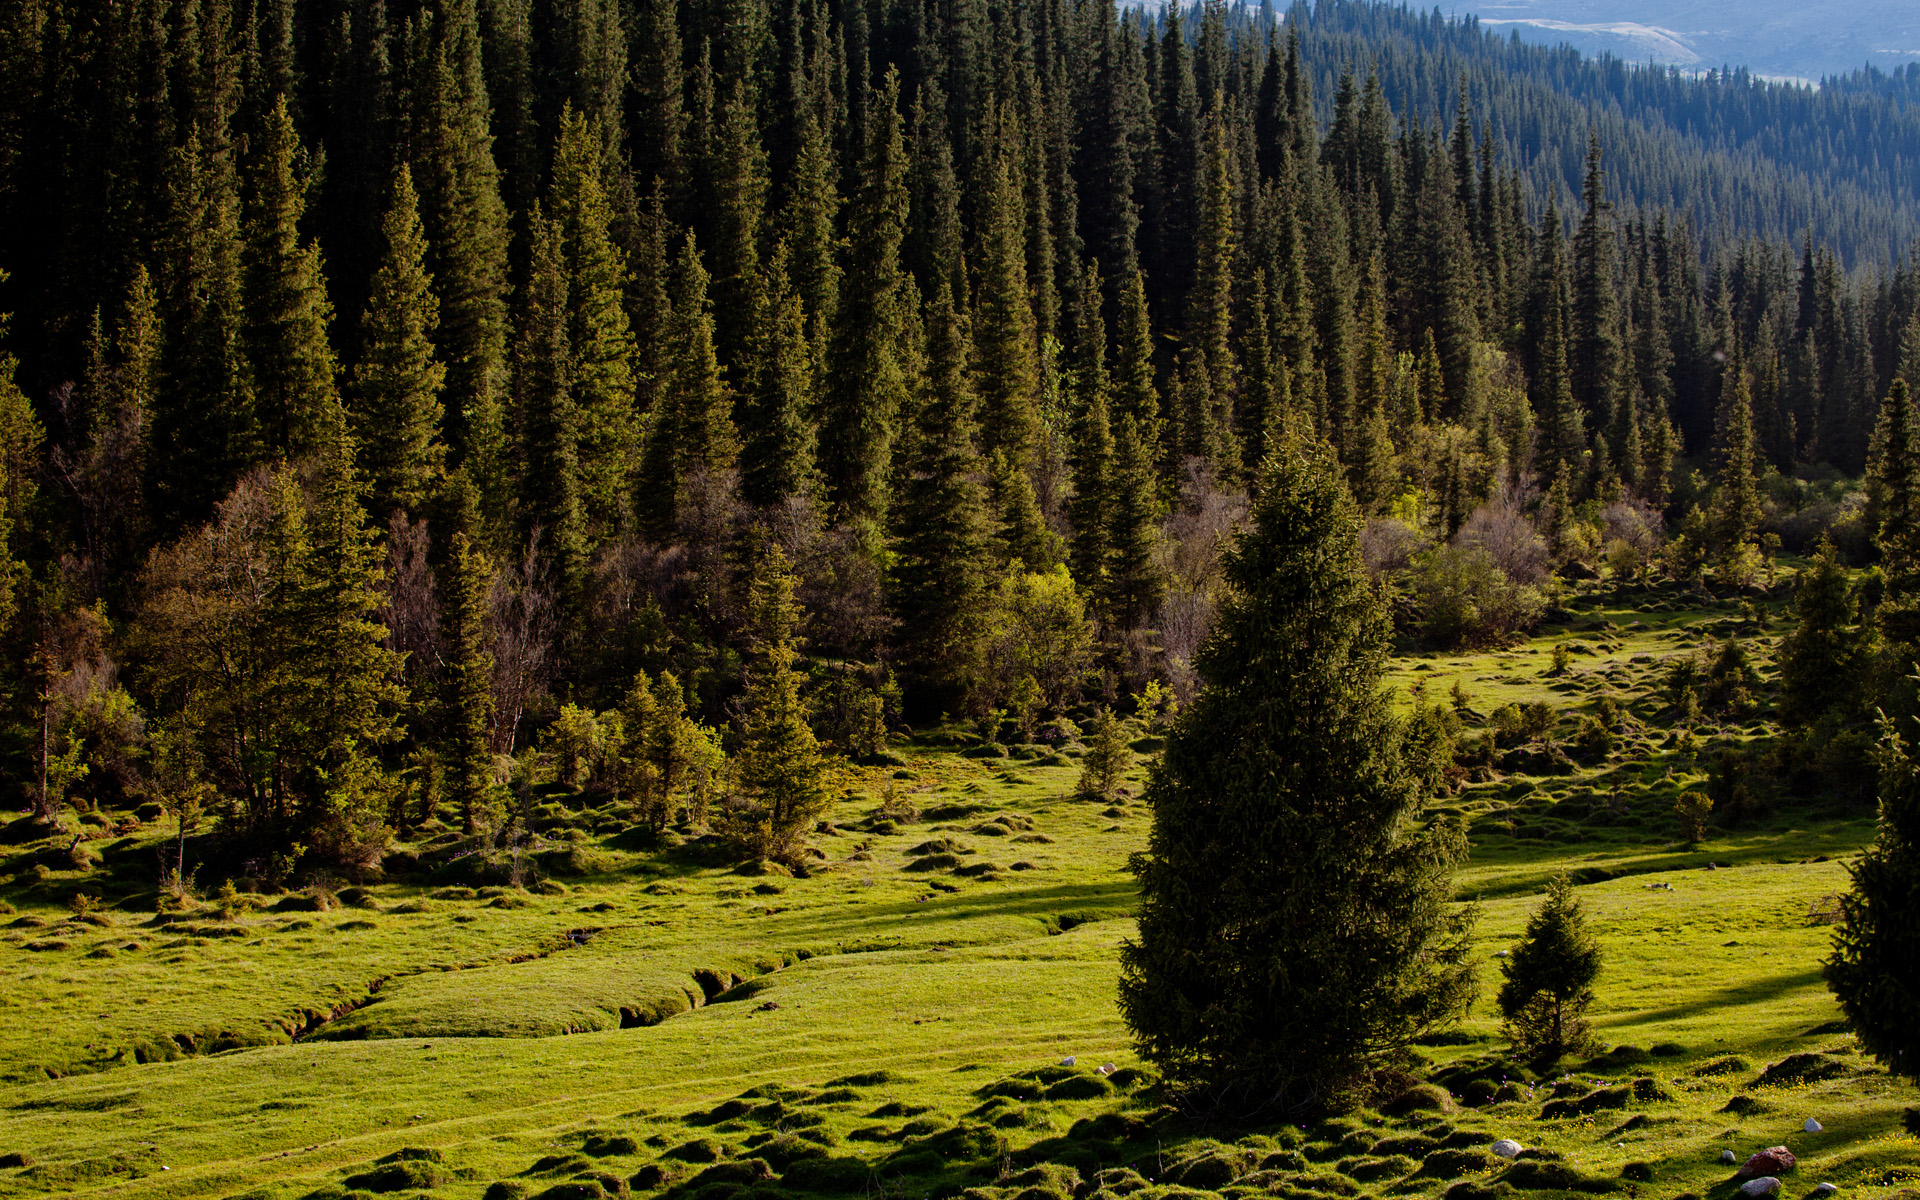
1294 923
1549 978
1820 659
781 768
1108 759
399 379
1874 970
1133 582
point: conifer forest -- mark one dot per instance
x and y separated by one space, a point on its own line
1005 599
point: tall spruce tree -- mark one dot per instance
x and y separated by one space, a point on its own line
777 457
289 357
397 383
942 533
1133 582
549 423
205 430
693 433
1291 743
867 373
467 238
599 337
1210 304
1737 502
1008 368
1822 656
1874 970
1594 355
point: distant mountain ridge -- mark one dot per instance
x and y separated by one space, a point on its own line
1775 38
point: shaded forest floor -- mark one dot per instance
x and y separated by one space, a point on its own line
656 1019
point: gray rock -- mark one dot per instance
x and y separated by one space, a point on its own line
1507 1148
1766 1185
1727 1157
1825 1189
1812 1126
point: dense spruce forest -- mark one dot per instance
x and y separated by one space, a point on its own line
403 403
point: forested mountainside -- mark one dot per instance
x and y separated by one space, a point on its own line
403 385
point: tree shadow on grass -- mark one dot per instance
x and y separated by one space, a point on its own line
1756 991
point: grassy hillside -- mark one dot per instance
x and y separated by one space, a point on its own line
930 1011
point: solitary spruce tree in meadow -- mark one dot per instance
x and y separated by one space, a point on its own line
1549 978
1294 926
1874 970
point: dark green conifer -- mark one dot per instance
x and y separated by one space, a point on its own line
1594 352
205 431
598 334
1549 978
867 376
1134 391
1092 497
1210 304
398 381
1291 742
1822 656
807 220
1023 526
467 235
289 358
1370 462
1007 367
777 457
783 773
693 432
1736 507
1108 759
550 499
1562 437
1874 970
1134 581
659 85
942 533
737 174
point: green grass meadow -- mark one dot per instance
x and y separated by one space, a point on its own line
895 1023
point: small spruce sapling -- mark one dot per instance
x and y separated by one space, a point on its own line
1107 760
1549 978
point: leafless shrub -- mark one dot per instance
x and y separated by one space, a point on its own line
1502 528
521 621
1634 522
410 601
840 586
1387 545
1201 527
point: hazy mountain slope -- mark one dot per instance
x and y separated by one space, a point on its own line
1772 37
